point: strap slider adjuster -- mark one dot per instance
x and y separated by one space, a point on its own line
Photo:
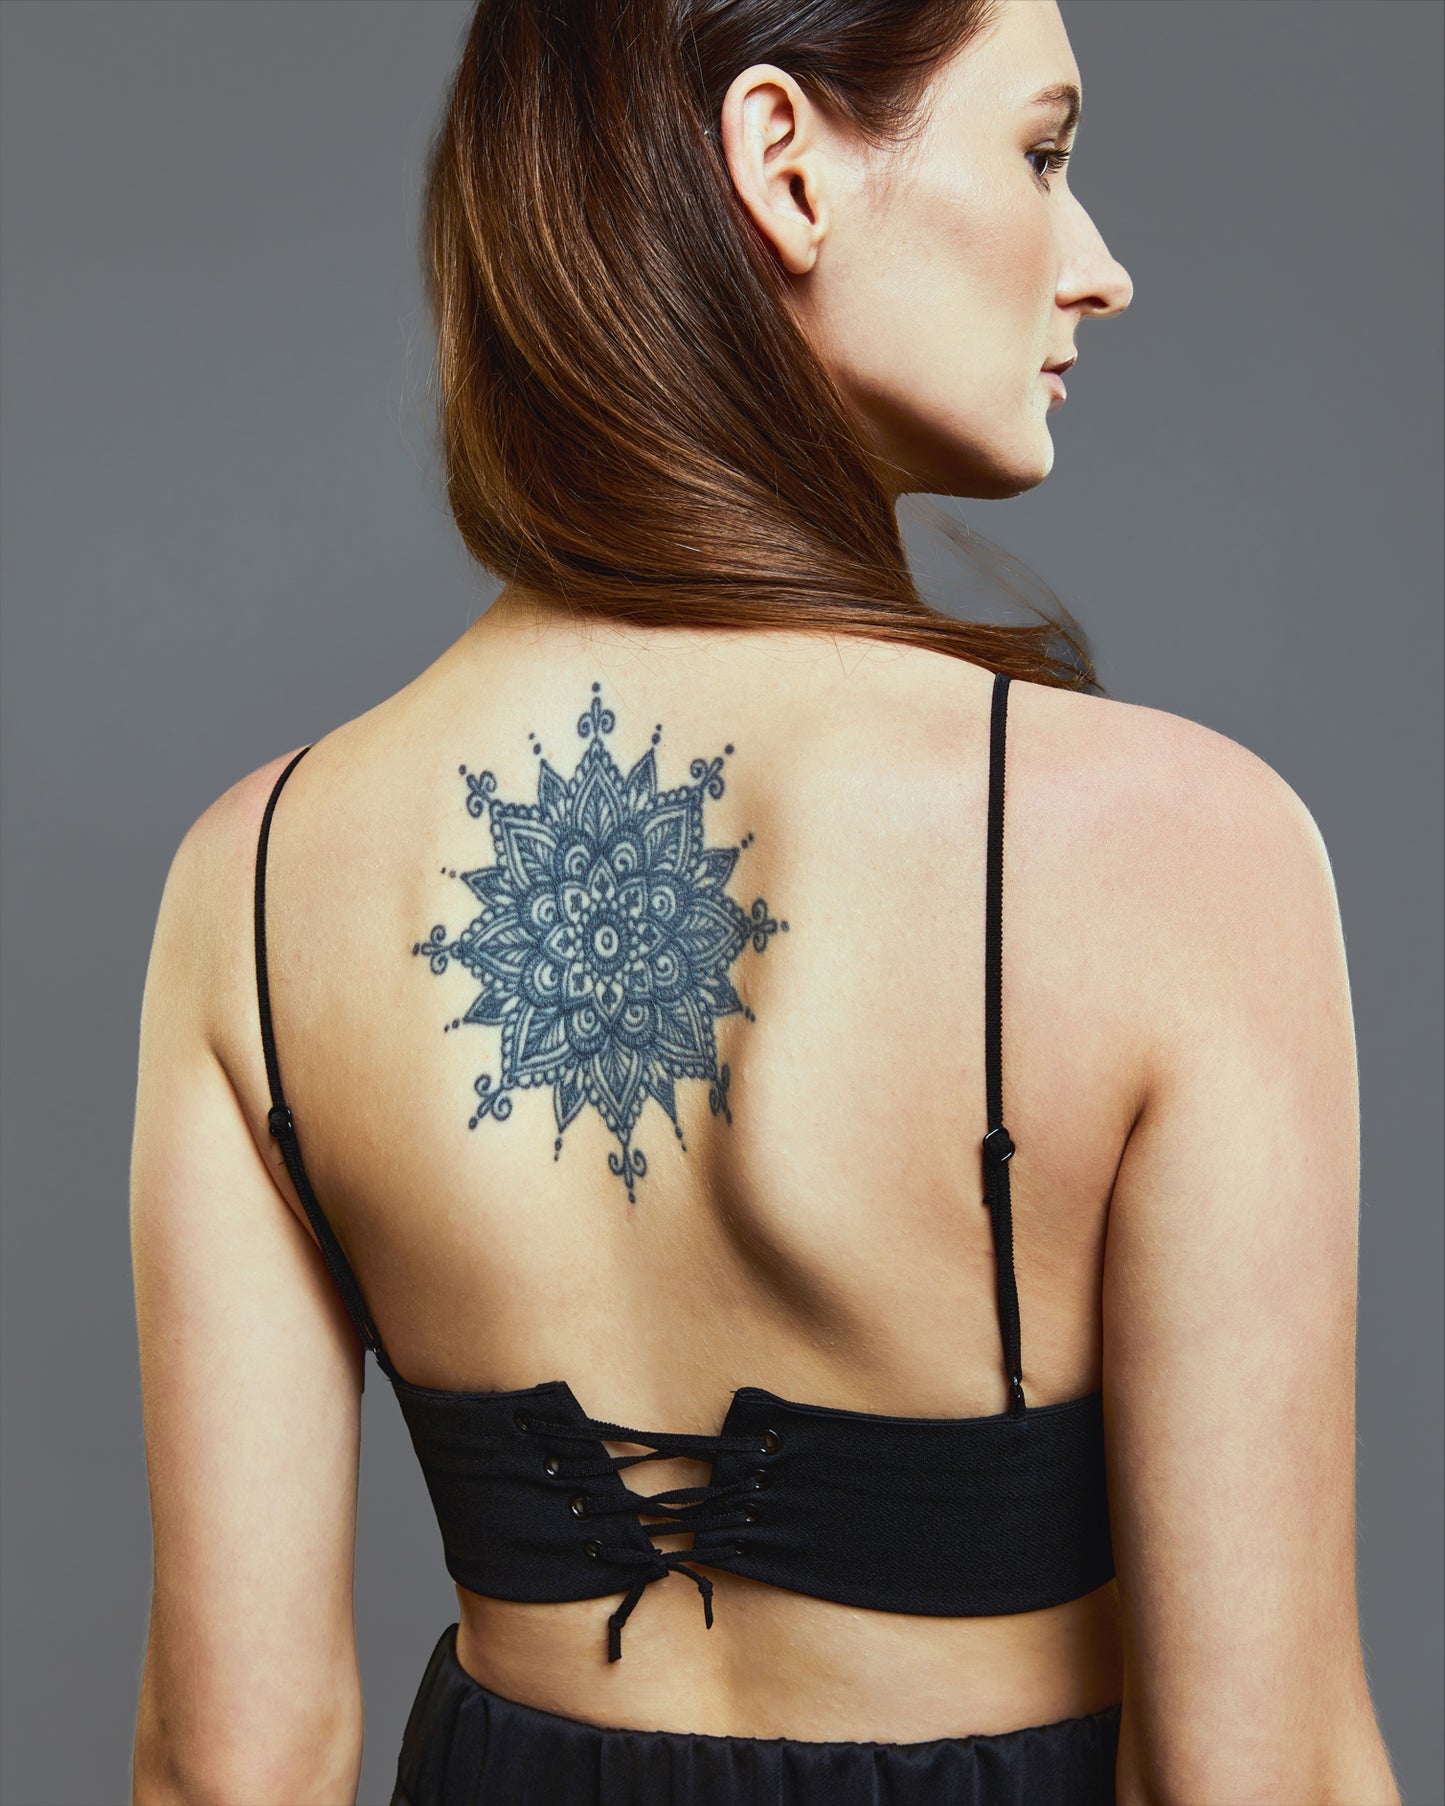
278 1120
998 1144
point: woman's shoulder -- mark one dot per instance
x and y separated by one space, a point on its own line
203 943
1174 852
1201 866
1154 780
222 838
1130 755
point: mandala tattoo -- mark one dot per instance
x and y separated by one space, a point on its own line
604 941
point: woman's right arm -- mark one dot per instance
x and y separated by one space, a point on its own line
251 1379
1229 1306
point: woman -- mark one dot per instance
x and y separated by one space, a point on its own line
621 1040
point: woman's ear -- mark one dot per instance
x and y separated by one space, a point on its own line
777 155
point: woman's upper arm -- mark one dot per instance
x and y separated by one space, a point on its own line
250 1377
1229 1311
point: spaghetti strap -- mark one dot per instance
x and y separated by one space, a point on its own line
279 1119
998 1146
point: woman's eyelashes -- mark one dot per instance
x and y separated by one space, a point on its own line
1054 160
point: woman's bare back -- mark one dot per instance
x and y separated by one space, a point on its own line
1178 1074
817 1228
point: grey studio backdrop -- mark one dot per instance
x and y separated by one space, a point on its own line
223 534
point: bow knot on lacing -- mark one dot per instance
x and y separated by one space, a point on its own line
682 1508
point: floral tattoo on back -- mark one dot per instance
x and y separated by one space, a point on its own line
604 940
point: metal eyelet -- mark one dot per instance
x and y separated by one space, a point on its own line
771 1442
738 1549
759 1481
594 1549
751 1513
553 1465
522 1420
578 1503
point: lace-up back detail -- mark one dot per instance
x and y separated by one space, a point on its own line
721 1505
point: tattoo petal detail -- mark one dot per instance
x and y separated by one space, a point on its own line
604 941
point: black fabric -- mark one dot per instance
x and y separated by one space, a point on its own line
467 1746
949 1517
279 1119
937 1516
998 1147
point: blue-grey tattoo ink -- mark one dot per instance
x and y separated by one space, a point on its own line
604 941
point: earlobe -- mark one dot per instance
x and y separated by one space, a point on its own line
796 226
789 224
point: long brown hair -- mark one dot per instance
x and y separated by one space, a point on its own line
630 419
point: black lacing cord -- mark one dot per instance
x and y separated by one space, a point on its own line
682 1508
279 1119
998 1146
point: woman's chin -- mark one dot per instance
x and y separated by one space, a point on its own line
999 482
992 473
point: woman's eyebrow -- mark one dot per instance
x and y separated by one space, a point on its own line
1062 94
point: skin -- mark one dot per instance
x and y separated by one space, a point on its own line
1173 960
965 234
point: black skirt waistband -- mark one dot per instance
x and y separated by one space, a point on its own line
467 1746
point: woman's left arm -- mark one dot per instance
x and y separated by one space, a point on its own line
251 1381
